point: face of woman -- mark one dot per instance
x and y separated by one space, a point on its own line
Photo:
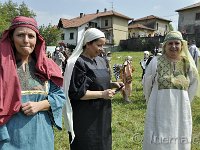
173 49
24 40
95 48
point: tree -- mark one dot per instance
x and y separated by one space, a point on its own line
9 10
24 11
171 27
51 34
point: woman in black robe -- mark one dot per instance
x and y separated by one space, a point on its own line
90 91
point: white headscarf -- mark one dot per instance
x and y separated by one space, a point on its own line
88 36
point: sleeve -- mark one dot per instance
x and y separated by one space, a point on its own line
56 98
198 52
62 57
149 78
4 135
193 86
80 81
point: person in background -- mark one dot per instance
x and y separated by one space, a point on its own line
30 86
170 83
58 57
194 51
48 54
87 85
143 62
150 57
127 71
103 54
66 54
117 71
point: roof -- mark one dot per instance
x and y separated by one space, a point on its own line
150 18
140 26
189 7
78 21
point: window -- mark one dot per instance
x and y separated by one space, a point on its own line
106 22
62 36
157 26
197 16
92 24
71 36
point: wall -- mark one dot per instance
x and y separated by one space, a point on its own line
140 32
67 35
120 29
152 23
187 20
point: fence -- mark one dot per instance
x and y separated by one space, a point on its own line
150 43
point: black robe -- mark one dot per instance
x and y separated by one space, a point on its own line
91 118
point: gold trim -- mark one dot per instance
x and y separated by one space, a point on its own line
34 92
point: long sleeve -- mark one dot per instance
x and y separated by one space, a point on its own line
149 78
56 99
193 84
81 79
4 135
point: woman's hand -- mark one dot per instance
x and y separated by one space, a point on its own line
120 84
117 84
108 94
31 108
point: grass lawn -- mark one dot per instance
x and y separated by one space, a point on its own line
128 119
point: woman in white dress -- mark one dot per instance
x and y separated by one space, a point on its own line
170 83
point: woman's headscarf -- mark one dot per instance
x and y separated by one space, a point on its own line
10 91
176 35
88 36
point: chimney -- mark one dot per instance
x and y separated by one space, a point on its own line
81 15
97 11
105 9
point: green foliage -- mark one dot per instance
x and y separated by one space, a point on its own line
171 27
25 11
128 119
9 10
51 34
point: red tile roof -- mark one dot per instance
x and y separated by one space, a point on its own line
78 21
189 7
149 18
140 26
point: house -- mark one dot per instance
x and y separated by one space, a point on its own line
149 26
139 30
112 23
189 19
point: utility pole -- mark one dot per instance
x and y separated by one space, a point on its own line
112 7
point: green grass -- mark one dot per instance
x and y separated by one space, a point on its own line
128 119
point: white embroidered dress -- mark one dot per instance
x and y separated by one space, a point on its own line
169 89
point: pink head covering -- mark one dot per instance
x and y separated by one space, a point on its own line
10 91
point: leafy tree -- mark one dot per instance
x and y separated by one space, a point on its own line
24 11
51 34
9 10
171 27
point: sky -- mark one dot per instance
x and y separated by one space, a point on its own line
50 11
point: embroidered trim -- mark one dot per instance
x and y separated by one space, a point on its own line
29 23
34 92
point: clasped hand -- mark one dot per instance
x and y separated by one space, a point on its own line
30 108
108 94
